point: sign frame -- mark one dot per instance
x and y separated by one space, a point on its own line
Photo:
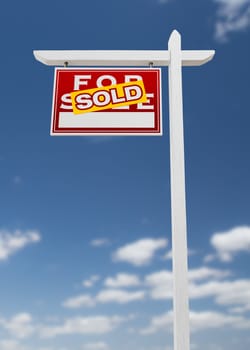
156 130
174 58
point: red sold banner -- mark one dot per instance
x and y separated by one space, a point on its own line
106 102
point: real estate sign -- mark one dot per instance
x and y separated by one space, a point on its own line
112 101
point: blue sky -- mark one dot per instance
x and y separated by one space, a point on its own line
85 234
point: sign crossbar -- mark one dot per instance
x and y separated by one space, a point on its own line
120 58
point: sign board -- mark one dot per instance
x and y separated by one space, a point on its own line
112 101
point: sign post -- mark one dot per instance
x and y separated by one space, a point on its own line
174 58
178 197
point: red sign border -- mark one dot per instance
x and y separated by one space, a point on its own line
156 131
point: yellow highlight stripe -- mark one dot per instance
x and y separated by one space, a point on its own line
106 97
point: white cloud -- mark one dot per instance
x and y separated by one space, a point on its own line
10 243
240 309
140 252
209 258
119 296
105 296
22 326
91 281
232 16
122 280
83 325
168 255
211 319
204 283
49 348
235 293
19 326
198 321
206 272
161 282
95 346
159 323
10 344
79 301
226 293
99 242
229 243
208 289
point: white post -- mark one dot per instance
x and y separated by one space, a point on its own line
178 200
